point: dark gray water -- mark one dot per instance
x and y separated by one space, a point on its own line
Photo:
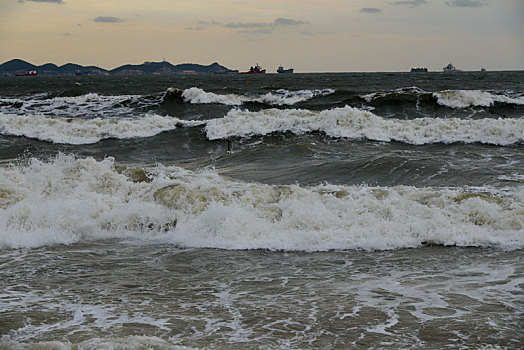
372 210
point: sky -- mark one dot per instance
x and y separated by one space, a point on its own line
308 35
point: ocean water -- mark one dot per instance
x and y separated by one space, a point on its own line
369 210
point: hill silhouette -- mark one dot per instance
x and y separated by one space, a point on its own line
18 67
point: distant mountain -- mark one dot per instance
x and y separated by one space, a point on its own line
165 67
17 66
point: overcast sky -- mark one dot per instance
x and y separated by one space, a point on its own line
309 35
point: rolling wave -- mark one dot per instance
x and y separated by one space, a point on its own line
474 98
90 104
349 122
279 97
346 122
85 131
457 99
69 199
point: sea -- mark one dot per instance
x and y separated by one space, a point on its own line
291 211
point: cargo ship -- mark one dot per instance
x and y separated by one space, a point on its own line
282 70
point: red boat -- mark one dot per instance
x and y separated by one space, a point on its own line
255 70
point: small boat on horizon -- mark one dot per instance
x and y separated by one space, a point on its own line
255 70
27 73
419 70
282 70
450 68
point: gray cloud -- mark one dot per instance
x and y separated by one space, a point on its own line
279 22
466 3
53 1
288 22
308 33
206 23
262 31
370 10
195 28
246 25
410 3
108 19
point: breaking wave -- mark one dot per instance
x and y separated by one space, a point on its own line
68 199
457 99
90 104
86 131
349 122
279 97
473 98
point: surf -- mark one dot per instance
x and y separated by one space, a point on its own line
67 199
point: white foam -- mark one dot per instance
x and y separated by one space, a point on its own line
472 98
349 122
196 95
85 131
113 343
278 98
69 200
406 90
90 104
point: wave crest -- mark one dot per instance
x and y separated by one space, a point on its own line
279 97
349 122
85 131
68 200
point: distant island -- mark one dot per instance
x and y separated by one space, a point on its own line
18 67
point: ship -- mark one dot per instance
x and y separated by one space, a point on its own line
282 70
419 70
26 73
450 68
255 70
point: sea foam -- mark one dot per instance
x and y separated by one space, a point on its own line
473 98
86 131
67 200
277 98
91 105
349 122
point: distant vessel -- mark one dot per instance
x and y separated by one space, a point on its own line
255 70
26 73
450 68
483 69
419 70
282 70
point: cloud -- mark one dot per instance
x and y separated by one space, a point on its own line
246 25
262 31
53 1
466 3
206 23
308 33
108 19
195 28
370 10
288 22
279 22
410 3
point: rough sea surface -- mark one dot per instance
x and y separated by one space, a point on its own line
355 210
